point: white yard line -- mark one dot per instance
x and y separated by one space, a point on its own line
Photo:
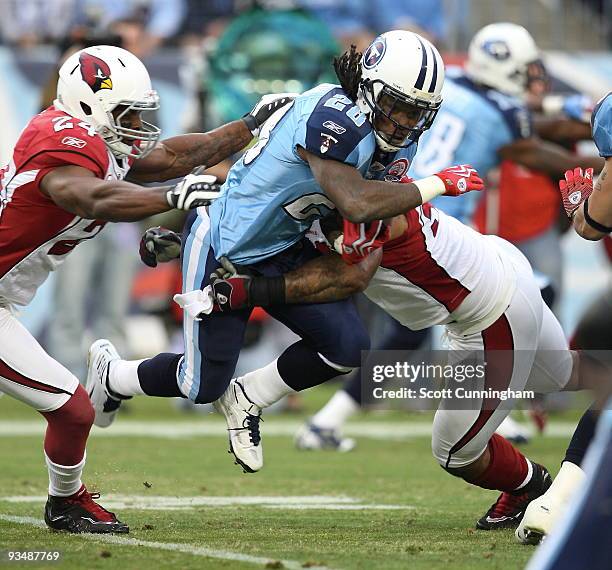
165 503
171 546
212 427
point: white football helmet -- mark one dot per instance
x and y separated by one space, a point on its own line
94 81
400 72
503 56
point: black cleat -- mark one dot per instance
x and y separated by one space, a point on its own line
80 513
509 508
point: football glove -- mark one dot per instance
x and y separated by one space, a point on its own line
360 240
193 191
159 245
265 108
576 188
232 290
460 179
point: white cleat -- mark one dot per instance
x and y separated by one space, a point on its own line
242 417
540 517
311 437
101 354
513 431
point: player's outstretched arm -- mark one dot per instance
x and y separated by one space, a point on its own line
552 159
320 280
177 156
361 200
79 191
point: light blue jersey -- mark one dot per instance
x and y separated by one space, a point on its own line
271 197
601 123
473 123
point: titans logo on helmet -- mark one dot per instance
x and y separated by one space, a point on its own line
95 72
374 53
497 48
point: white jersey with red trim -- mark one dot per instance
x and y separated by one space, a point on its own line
36 234
440 271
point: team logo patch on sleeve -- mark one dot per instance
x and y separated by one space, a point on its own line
326 142
73 141
374 53
95 72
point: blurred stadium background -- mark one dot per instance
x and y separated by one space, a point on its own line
211 60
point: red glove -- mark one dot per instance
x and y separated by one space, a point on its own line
460 179
576 188
362 239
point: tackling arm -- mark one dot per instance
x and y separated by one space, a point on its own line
179 155
79 191
329 278
321 280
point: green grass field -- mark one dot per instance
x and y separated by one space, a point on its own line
385 505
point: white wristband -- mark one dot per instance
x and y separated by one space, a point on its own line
430 187
552 104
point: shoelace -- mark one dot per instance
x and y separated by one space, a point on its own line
86 500
252 424
506 504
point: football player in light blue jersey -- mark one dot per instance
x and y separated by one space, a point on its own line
332 147
586 526
485 120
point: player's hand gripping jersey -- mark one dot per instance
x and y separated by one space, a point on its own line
36 235
271 197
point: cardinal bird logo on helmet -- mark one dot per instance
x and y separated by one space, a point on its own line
95 72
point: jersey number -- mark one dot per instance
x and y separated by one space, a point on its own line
264 135
438 153
340 102
66 122
308 206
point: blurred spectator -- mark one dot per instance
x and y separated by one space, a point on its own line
207 19
264 52
359 21
143 25
26 23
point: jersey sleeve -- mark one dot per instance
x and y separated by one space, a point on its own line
337 130
71 146
601 123
519 121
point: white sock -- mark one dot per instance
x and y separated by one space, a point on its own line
123 378
333 414
64 480
265 386
566 483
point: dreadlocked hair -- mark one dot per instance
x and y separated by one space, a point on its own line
348 71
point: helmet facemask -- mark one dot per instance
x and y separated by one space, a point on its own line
409 117
127 141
